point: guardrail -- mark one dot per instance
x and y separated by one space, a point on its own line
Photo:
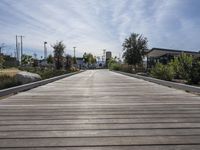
24 87
188 88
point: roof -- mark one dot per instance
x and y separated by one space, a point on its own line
79 58
156 52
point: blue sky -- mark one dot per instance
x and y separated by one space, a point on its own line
94 25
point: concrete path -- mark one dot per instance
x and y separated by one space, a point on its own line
100 110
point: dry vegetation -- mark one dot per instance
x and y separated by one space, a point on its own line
10 72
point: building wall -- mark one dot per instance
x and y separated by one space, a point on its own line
108 55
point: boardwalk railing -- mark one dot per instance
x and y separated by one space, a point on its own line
24 87
188 88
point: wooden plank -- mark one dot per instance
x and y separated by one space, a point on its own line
101 141
85 117
147 147
116 126
99 133
101 121
96 113
100 110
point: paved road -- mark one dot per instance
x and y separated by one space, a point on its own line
100 110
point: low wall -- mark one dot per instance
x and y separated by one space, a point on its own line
24 87
188 88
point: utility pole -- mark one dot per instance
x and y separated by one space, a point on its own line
74 59
45 50
74 52
21 45
19 54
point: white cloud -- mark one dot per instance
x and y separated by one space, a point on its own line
93 25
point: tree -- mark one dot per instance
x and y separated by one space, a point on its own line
111 61
1 61
194 74
50 59
89 59
68 62
134 47
58 54
85 57
94 60
26 59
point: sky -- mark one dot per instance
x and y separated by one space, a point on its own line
94 25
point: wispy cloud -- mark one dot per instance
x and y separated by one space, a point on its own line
93 25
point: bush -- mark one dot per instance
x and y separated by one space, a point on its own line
127 68
115 66
7 81
182 66
194 73
163 72
121 67
45 73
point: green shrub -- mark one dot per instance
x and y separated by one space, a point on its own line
194 73
115 66
45 73
164 72
7 81
182 66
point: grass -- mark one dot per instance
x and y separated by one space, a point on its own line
7 81
10 72
7 78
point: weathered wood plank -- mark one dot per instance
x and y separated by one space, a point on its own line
101 141
116 126
99 133
147 147
100 110
101 121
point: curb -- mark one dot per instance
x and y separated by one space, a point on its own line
188 88
24 87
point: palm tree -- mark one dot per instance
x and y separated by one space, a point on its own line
134 47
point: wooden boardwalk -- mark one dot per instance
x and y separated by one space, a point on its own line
100 110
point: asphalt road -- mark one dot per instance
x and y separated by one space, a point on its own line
100 110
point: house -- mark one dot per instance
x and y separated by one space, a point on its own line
164 56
